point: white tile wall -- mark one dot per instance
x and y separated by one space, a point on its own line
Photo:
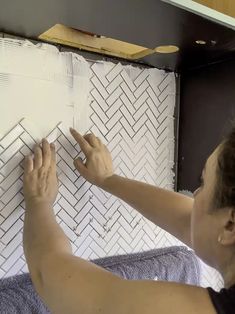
132 113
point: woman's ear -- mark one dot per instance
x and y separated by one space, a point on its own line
227 236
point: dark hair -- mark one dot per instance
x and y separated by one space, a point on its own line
224 191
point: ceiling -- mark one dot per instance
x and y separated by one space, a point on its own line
148 23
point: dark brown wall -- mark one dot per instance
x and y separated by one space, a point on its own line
207 105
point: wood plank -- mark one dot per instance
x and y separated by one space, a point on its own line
90 42
223 6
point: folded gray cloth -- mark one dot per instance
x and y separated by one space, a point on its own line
18 296
176 263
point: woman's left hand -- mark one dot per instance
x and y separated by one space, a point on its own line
40 178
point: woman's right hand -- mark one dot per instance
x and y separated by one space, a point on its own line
98 166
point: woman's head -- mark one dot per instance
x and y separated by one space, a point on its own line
213 216
224 192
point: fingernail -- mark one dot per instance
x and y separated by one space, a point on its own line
71 129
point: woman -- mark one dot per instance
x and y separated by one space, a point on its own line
69 284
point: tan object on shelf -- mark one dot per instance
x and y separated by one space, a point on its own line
87 41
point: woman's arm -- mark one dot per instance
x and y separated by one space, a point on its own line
167 209
67 284
41 234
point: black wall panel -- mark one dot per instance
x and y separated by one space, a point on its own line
207 106
148 23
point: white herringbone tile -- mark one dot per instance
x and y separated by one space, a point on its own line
132 113
95 221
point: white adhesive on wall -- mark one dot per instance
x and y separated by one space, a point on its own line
42 85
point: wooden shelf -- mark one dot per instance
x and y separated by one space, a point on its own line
223 6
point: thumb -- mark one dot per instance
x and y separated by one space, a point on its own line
80 167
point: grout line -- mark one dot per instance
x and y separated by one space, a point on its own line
176 129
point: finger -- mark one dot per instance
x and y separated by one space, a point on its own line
99 140
91 139
37 157
79 165
46 154
53 155
28 164
85 146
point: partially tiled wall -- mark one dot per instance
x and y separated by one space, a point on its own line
131 110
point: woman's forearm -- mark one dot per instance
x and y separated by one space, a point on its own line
149 200
42 235
167 209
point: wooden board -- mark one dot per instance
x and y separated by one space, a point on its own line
91 42
223 6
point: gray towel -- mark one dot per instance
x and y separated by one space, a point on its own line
18 296
176 263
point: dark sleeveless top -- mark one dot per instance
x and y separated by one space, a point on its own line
224 300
